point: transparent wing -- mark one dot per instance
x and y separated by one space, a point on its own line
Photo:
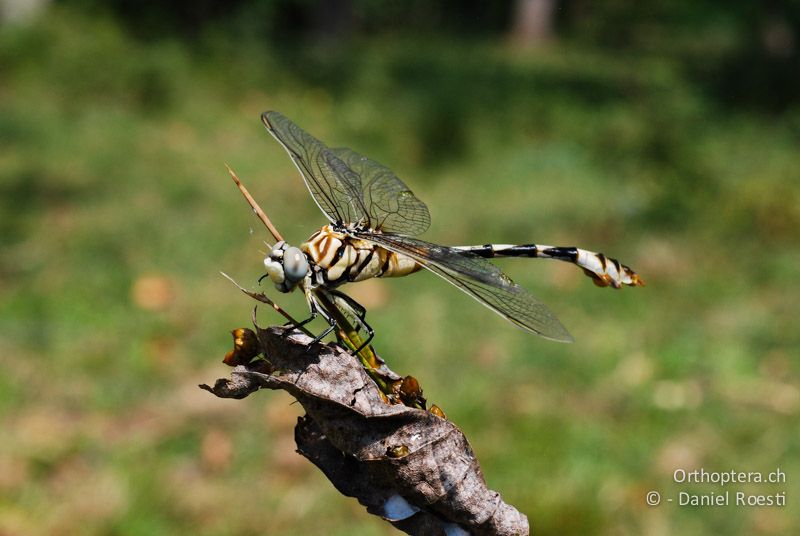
334 186
391 204
480 279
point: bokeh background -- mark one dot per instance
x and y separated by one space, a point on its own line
664 133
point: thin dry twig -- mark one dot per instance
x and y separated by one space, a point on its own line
263 298
257 209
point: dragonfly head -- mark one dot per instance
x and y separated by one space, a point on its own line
286 266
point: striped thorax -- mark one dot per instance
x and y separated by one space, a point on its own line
340 258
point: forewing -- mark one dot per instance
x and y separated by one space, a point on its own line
334 186
480 279
391 204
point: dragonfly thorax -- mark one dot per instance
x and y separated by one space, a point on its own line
286 266
337 256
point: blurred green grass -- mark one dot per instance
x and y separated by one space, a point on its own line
117 216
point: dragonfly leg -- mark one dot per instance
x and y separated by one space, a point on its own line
356 308
360 313
327 331
314 315
316 310
370 336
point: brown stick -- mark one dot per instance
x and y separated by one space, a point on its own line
260 296
257 209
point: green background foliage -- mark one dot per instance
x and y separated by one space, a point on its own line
665 136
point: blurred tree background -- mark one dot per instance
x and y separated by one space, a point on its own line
664 133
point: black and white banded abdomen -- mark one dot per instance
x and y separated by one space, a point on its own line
603 270
340 258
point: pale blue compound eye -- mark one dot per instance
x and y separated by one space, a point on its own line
295 264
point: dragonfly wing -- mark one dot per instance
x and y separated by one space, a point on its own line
480 279
334 186
392 205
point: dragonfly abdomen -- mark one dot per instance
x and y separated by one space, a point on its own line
341 258
603 270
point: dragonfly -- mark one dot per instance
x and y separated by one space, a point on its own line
373 223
